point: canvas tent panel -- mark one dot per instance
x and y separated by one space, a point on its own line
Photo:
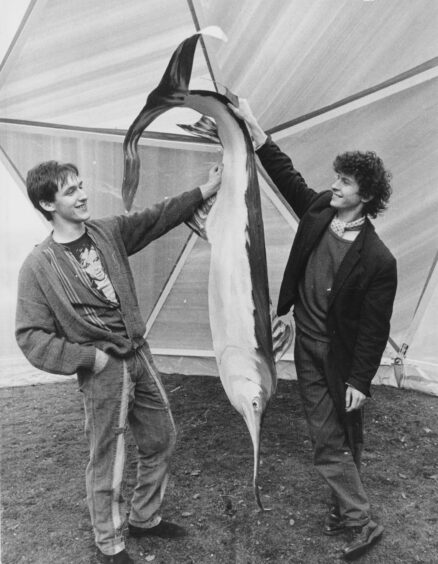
302 56
420 366
94 70
97 70
100 163
403 130
423 348
165 172
183 323
278 239
15 210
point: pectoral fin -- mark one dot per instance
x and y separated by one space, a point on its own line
282 336
205 128
199 218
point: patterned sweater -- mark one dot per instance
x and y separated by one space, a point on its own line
49 330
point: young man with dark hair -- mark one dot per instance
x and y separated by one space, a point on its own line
341 281
77 312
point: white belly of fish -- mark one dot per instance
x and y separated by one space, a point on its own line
231 307
230 288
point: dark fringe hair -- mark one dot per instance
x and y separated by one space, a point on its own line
44 180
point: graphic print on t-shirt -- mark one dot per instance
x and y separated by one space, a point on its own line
88 257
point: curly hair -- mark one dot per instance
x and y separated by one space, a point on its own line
370 174
44 180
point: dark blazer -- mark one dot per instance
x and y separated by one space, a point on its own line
362 296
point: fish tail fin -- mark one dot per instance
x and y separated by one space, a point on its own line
175 81
179 70
170 92
130 177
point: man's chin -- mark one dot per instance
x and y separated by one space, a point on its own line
84 216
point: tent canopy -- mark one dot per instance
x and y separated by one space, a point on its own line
322 77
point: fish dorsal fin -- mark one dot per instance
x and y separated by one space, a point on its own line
204 127
282 335
199 218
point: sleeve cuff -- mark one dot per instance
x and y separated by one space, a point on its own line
88 357
258 146
359 388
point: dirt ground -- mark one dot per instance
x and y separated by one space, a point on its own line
45 518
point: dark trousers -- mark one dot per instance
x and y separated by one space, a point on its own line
332 455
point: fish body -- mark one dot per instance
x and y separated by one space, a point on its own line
238 290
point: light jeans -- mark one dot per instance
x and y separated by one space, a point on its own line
333 456
126 391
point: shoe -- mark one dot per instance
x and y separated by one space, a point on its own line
164 530
361 540
333 525
119 558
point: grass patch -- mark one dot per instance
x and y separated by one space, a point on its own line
44 453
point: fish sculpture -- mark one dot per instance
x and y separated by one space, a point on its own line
241 318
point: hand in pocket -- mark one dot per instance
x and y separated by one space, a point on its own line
100 361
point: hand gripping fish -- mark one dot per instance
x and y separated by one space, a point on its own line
238 292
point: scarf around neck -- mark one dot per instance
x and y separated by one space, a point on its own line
339 226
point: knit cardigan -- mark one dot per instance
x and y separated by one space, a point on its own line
49 331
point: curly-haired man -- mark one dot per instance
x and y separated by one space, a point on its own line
341 281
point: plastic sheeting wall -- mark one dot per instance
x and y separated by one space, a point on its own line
165 172
402 129
91 65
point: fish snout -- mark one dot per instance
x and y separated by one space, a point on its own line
253 412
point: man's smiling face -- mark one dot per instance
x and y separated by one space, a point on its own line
346 196
70 203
